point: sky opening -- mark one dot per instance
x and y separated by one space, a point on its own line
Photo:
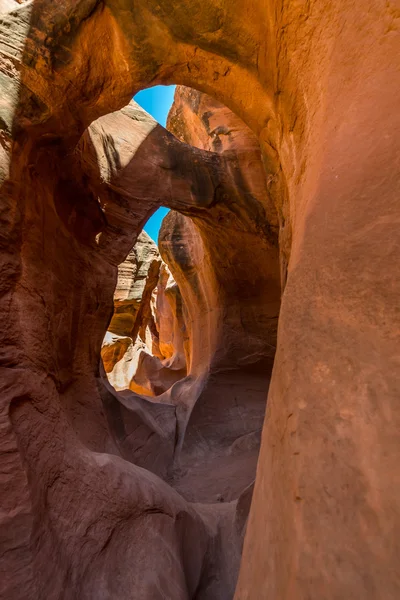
153 225
156 101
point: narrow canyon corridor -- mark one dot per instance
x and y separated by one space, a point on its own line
194 324
212 415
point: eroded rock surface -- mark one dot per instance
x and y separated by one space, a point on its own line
143 347
223 315
85 513
231 294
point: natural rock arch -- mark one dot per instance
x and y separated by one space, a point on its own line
224 256
322 97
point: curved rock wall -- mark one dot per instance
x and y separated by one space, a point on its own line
239 234
317 83
226 263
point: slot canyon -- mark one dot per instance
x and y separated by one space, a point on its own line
213 415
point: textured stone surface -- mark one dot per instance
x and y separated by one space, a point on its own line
317 83
231 292
132 328
220 321
63 424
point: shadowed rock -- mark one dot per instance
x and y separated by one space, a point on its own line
317 83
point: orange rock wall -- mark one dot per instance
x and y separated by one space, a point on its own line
317 83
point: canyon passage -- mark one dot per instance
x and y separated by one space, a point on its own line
212 415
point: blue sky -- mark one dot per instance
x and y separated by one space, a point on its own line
153 225
157 101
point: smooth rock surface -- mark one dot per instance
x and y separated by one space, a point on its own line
318 84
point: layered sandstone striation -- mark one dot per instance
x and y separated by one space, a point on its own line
91 506
143 347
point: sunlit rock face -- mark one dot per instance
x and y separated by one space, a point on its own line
92 507
239 235
143 347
